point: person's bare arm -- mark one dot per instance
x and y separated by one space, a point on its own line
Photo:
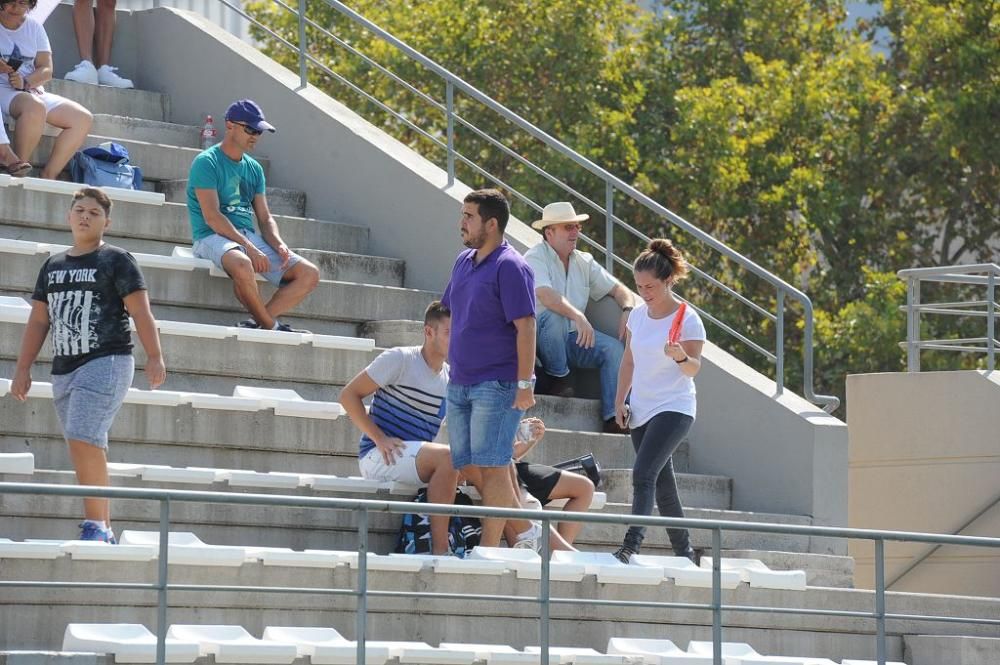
269 228
41 75
208 199
557 302
352 399
687 355
525 398
137 304
624 381
624 299
31 343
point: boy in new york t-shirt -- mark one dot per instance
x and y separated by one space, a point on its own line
85 295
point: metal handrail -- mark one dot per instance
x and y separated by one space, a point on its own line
364 507
612 183
977 274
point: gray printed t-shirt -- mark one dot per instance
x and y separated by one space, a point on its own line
411 399
87 313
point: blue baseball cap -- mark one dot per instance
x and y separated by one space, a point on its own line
249 113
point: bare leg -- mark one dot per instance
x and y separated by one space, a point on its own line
497 492
579 491
91 464
83 26
8 156
300 280
434 468
104 31
238 265
75 122
28 113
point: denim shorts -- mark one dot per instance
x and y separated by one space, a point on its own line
482 422
88 398
214 247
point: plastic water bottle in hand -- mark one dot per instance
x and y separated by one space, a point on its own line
209 136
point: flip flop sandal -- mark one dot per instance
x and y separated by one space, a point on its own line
16 169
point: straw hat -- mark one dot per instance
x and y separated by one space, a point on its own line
560 212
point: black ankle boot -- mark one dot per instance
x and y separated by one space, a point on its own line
625 554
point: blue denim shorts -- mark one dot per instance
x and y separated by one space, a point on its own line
482 422
214 247
88 398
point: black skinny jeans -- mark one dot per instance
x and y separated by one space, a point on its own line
653 475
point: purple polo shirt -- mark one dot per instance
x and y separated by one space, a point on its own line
485 300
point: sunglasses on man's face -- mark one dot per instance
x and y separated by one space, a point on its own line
249 130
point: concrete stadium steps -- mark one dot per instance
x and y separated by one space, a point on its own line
48 517
38 616
169 223
713 491
281 201
341 301
158 161
143 129
185 436
103 100
394 333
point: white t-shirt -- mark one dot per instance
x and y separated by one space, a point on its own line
27 41
658 384
584 279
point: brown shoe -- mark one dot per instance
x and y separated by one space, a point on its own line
611 427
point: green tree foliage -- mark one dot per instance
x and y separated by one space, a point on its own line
766 123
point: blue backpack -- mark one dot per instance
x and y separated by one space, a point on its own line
105 165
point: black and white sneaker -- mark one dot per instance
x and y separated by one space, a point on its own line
284 327
248 323
625 554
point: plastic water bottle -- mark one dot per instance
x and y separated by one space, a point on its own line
208 134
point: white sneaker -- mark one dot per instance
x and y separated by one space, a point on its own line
530 539
107 75
84 72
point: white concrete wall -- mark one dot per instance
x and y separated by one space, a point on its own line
785 455
925 456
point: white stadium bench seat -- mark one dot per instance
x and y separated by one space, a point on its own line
30 549
496 654
186 549
19 463
756 573
114 193
92 550
608 569
202 330
40 389
357 484
284 556
14 309
528 564
729 649
129 642
582 656
782 660
270 480
325 646
654 652
4 387
156 397
26 247
223 402
233 644
451 564
420 653
684 573
868 662
271 336
167 474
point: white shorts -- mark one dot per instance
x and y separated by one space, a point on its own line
373 467
7 95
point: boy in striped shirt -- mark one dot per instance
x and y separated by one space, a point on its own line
410 386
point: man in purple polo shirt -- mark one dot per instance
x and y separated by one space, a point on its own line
491 296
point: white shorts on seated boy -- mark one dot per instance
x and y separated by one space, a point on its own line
373 466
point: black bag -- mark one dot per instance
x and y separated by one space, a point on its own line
585 465
415 532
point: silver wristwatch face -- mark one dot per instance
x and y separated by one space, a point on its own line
525 384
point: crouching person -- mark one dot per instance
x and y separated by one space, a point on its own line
85 295
410 387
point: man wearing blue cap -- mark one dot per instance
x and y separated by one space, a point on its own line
225 192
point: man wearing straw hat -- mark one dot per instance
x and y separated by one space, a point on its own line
565 279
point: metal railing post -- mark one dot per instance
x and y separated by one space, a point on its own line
609 226
449 96
779 343
912 324
880 601
161 584
544 594
991 321
361 611
717 596
303 46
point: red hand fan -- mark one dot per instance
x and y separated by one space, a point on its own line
675 327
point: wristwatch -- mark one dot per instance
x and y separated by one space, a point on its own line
526 384
679 362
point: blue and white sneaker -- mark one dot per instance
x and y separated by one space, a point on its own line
90 531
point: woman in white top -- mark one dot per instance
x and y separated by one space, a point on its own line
660 376
23 43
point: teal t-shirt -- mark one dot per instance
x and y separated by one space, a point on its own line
236 182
